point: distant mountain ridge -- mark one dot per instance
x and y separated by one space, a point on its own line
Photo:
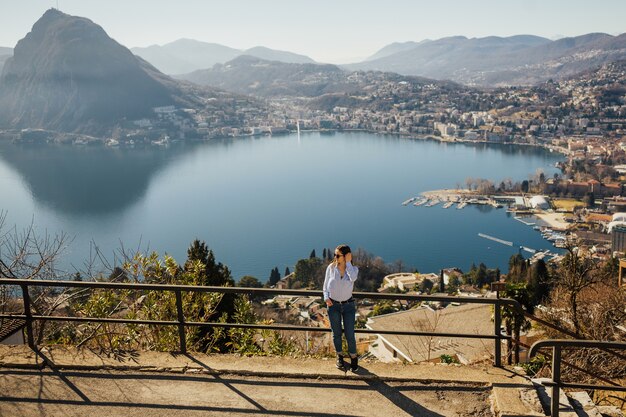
187 55
258 77
255 76
394 48
495 61
68 75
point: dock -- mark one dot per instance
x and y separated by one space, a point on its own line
519 219
495 239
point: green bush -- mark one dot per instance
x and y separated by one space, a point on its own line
448 359
534 366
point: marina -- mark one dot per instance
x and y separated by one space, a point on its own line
520 206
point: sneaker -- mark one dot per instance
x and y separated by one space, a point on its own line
354 364
340 363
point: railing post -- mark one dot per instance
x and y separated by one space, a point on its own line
181 321
556 378
509 344
29 317
497 320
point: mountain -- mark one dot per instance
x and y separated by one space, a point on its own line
394 48
275 55
251 75
187 55
493 61
68 75
320 86
5 53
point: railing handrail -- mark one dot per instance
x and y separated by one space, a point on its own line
497 335
247 290
584 344
557 345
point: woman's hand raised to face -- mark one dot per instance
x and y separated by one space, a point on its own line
349 257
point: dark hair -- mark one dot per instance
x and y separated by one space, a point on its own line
343 249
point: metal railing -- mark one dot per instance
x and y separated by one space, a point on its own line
557 346
181 322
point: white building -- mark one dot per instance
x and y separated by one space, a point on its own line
539 202
405 281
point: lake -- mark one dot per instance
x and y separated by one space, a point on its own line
265 202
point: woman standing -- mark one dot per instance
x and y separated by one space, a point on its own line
338 284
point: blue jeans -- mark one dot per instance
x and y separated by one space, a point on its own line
346 313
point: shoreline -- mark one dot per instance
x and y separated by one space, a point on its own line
67 138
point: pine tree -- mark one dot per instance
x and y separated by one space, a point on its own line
274 276
212 274
312 255
287 272
324 254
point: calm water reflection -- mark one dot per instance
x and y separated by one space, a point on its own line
267 202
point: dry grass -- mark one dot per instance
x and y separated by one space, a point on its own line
567 204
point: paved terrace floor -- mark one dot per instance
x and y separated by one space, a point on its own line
83 383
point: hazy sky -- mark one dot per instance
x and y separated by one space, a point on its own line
337 31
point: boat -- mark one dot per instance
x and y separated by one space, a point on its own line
420 201
432 203
448 204
461 205
409 201
165 141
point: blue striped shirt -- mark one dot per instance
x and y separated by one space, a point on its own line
337 287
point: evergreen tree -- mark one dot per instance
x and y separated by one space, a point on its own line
249 282
426 286
214 273
201 261
274 276
312 255
287 271
481 275
517 268
310 272
324 256
538 284
525 186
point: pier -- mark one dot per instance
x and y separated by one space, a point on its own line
519 219
495 239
